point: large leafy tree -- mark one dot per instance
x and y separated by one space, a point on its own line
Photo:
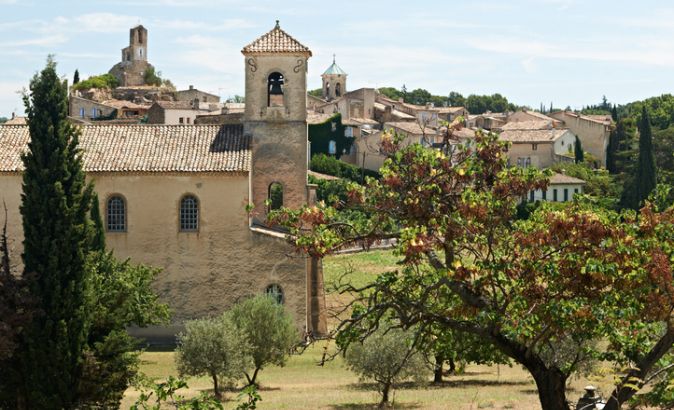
55 207
543 290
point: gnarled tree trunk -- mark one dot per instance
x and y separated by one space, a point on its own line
437 370
551 384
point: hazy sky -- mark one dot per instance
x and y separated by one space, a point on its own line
570 52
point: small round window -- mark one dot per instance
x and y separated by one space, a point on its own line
274 291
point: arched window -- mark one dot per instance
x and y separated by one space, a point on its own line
327 90
189 213
275 196
275 83
275 292
332 147
338 90
116 214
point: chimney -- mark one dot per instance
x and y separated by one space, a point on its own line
13 115
191 87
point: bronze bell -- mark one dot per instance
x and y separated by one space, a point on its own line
275 88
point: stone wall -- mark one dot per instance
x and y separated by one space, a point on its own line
194 94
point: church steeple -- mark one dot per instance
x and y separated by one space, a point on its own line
334 81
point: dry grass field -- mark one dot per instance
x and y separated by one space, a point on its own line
303 384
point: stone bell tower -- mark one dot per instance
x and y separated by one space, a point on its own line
276 119
334 81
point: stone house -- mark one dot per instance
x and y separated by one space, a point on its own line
528 115
539 148
175 197
593 132
86 109
487 121
562 188
192 94
173 113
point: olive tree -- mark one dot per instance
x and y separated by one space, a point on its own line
212 347
269 330
387 356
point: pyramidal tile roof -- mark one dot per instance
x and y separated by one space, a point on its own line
276 41
144 148
334 69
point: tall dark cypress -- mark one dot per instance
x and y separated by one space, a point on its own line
578 151
643 180
76 77
55 210
614 113
611 151
97 231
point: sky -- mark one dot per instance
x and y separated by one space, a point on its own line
569 52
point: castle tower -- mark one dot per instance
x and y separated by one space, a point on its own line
137 49
130 72
334 81
276 118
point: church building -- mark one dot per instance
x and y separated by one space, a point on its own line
175 196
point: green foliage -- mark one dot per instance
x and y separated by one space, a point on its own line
269 331
328 165
108 81
166 396
152 77
3 120
214 348
76 77
121 297
320 136
97 232
318 92
251 397
388 357
663 149
55 210
475 104
275 196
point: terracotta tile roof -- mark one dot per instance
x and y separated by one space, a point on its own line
16 121
561 179
410 128
529 136
145 148
450 110
276 41
528 125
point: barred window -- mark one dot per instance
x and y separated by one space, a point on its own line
189 213
275 196
275 292
116 214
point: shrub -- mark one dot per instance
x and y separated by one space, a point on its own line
387 358
269 331
332 166
97 81
211 347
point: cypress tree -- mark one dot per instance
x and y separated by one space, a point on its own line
76 77
55 210
614 113
578 151
643 181
611 151
97 232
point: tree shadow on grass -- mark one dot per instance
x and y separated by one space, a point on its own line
372 406
443 385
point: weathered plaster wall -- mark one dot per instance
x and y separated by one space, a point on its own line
204 272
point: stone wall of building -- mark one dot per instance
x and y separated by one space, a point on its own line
193 94
593 135
88 109
203 272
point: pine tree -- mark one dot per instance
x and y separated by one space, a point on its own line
76 77
578 150
55 211
643 181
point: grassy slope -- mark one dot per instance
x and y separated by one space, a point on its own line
303 384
